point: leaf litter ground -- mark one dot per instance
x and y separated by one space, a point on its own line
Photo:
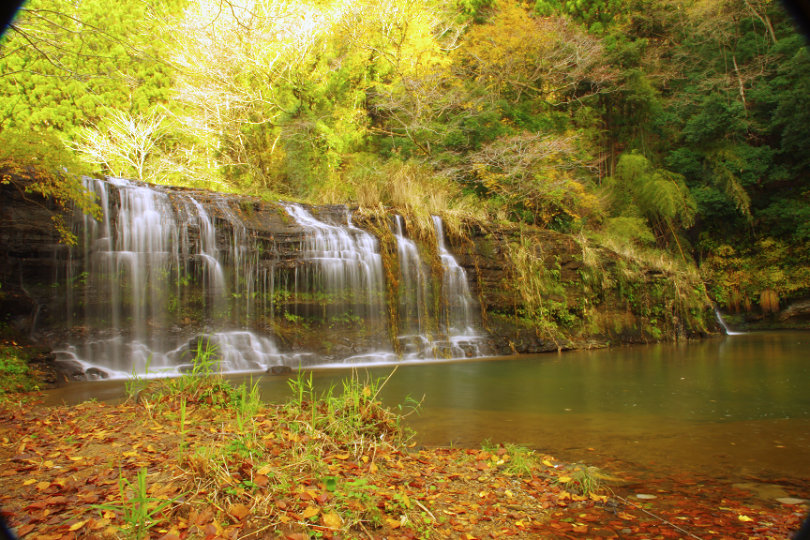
195 467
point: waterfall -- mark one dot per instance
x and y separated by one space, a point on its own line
459 312
164 270
414 297
155 282
431 328
724 325
340 279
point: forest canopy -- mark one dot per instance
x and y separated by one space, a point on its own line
675 126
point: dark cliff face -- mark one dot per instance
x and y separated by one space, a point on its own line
538 290
546 291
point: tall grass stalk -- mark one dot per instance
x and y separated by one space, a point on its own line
139 511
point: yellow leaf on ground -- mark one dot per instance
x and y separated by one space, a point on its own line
78 525
743 517
393 523
264 470
42 486
331 520
342 456
309 512
564 479
547 463
30 481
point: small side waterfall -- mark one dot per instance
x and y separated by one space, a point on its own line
164 269
723 324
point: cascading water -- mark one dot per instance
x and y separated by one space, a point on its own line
155 283
165 270
127 256
340 280
415 332
459 313
723 324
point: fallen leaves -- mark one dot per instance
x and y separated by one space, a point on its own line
63 479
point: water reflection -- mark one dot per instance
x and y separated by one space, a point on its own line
734 407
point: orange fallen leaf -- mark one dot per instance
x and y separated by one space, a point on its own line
239 511
309 512
261 480
331 520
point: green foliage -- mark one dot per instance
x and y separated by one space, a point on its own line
738 278
630 229
139 511
68 62
15 375
584 480
39 164
640 190
595 14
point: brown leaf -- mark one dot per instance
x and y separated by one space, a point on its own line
25 529
239 511
261 480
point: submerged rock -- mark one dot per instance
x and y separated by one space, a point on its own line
279 370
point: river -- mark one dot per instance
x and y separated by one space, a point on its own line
733 408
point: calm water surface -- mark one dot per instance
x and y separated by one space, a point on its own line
735 408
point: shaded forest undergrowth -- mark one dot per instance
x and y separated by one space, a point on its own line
195 457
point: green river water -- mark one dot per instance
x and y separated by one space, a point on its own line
733 408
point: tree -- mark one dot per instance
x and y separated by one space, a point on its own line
125 146
638 189
64 63
39 164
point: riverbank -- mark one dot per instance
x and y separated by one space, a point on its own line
197 458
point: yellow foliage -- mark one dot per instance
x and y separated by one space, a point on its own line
516 53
